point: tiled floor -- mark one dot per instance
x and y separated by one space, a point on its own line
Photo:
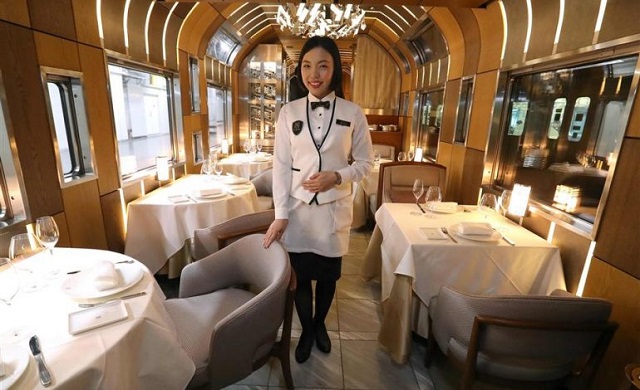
356 360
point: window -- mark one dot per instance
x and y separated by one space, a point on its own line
69 124
429 121
194 80
223 46
563 129
464 110
217 107
143 102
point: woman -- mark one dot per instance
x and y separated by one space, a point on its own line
322 146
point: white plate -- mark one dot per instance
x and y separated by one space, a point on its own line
210 196
81 286
16 361
495 236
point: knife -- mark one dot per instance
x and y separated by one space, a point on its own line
43 371
138 294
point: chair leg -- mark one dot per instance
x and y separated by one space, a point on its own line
286 368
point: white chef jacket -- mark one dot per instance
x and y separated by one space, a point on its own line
326 140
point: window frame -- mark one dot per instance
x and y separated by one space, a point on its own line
79 140
176 131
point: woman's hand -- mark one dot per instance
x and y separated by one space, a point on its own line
320 182
275 231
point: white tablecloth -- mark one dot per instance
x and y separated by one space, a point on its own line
140 352
246 164
157 227
532 266
361 194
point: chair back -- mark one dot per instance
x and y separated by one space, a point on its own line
386 151
395 182
521 338
209 240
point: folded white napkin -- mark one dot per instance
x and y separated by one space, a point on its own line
105 276
209 191
444 207
476 228
233 179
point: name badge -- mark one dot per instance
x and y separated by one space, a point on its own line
297 127
343 123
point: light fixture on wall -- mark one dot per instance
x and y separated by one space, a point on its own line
162 168
519 200
224 148
418 156
316 18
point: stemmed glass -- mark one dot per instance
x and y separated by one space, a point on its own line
217 169
434 195
246 145
21 247
505 201
259 145
410 155
9 284
48 235
12 328
376 157
488 204
402 156
206 168
418 191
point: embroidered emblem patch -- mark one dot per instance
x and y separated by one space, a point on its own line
343 122
297 127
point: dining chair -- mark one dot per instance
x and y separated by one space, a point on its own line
386 151
228 331
210 239
395 181
263 182
539 341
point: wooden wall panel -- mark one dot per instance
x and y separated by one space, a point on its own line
445 151
61 220
114 222
84 215
516 11
471 33
471 176
610 283
491 31
195 25
452 34
455 170
53 17
84 14
57 52
156 27
15 11
621 219
536 223
136 26
27 112
633 129
451 98
573 251
112 27
172 42
577 30
543 31
99 117
621 19
484 93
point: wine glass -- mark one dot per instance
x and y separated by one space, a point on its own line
9 284
434 195
376 157
402 156
418 191
206 168
246 145
488 204
217 169
410 155
505 201
48 234
259 145
21 247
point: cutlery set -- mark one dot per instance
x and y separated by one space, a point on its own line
43 371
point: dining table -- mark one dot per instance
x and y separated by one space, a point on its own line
413 257
116 344
161 223
246 164
362 194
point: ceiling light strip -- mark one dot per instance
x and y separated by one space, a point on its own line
396 12
247 13
409 11
146 28
596 31
195 5
529 28
386 16
505 29
251 21
125 25
556 39
256 26
99 18
237 9
164 34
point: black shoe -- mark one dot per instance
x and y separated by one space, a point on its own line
322 338
303 350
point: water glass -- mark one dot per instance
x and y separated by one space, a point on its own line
21 247
402 156
488 204
434 195
9 284
418 191
505 201
48 234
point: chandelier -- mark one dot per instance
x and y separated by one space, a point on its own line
332 20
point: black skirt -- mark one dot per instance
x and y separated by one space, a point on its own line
311 266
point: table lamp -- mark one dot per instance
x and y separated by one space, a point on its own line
225 147
162 168
418 156
519 200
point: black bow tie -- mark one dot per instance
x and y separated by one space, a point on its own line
325 105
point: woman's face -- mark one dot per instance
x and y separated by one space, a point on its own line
317 70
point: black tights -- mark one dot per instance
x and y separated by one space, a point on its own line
325 290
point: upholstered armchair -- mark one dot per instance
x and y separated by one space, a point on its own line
396 180
263 181
210 239
228 331
537 340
